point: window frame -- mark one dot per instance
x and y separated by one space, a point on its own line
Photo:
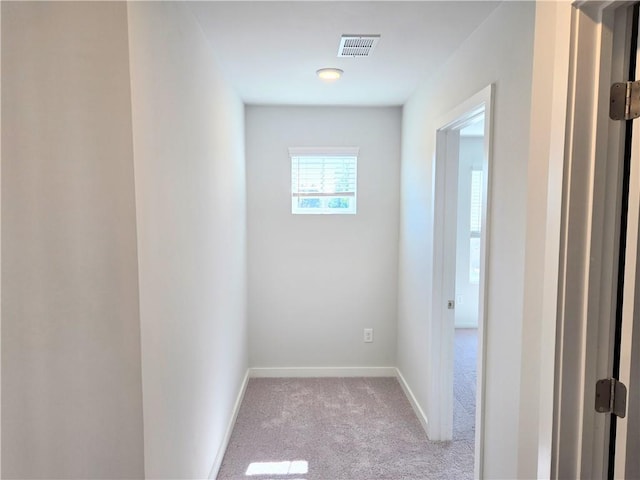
295 153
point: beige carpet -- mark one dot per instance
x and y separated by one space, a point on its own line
345 429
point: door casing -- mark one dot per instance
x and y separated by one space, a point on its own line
589 239
442 325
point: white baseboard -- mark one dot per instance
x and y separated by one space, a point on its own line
412 400
232 421
304 372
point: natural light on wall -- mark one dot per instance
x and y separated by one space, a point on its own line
295 467
323 180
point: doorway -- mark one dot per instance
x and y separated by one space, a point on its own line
460 283
467 279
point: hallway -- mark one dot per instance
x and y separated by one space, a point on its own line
151 262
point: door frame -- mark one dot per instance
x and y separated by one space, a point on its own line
625 466
588 240
442 325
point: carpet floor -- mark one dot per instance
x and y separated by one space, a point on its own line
347 429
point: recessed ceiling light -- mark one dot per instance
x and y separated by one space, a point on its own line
329 73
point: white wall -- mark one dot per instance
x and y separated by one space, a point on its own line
188 131
71 382
315 281
499 51
470 157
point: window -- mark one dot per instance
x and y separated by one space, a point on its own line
323 180
475 226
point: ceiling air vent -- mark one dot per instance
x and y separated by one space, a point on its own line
357 45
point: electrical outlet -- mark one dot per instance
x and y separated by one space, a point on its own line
368 335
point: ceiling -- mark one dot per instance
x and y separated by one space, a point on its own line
270 51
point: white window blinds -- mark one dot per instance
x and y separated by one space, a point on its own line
323 180
475 226
476 202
